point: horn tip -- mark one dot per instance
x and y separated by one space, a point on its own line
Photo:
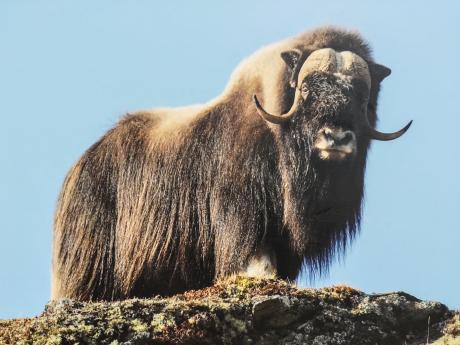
375 134
406 127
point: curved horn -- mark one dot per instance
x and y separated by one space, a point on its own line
375 134
279 119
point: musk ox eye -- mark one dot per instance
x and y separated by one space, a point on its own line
304 90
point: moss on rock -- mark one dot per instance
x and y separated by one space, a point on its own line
242 310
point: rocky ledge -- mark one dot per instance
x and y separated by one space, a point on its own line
243 311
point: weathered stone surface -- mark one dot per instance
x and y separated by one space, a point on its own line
243 311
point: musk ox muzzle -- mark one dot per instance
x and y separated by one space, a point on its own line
335 144
349 67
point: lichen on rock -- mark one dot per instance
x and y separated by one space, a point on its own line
242 310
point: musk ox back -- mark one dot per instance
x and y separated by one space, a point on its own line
266 179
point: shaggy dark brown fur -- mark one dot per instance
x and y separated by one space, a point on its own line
171 199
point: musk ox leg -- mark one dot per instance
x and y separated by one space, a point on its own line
262 265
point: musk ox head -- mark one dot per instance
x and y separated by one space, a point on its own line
332 91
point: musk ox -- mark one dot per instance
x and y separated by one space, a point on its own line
171 199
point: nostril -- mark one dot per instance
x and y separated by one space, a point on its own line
330 139
328 133
347 137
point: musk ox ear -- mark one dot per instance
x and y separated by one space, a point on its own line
380 72
291 57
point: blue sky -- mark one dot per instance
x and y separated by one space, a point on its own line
69 70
